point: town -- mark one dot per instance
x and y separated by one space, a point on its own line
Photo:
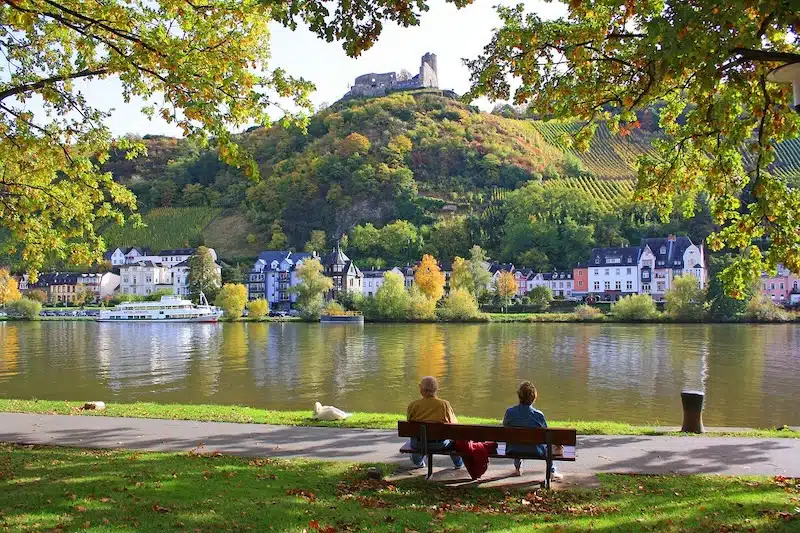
606 276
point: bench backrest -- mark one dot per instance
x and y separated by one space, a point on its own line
438 431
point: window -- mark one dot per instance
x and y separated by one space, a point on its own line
662 250
794 285
580 284
597 285
607 285
781 285
627 270
596 272
616 272
606 272
629 285
646 288
660 286
618 285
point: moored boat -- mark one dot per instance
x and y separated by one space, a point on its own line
168 309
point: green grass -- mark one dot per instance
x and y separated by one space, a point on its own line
538 317
252 415
62 489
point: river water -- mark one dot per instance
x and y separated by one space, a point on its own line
627 373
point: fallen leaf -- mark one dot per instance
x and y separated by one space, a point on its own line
81 509
157 508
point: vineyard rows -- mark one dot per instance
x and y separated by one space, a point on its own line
166 227
610 195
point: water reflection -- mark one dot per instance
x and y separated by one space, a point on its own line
592 371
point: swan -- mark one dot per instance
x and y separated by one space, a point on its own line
328 412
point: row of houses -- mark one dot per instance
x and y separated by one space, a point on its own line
608 274
135 271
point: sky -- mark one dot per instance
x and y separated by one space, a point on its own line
450 33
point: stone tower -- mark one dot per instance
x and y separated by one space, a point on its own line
428 73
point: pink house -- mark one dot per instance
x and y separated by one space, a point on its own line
781 286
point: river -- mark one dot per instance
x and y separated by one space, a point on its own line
626 373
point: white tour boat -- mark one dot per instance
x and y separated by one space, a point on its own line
168 309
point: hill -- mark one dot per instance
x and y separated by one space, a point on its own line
444 167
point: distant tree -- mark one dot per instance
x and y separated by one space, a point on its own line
156 295
634 308
540 297
403 75
420 306
349 299
505 287
84 296
461 278
234 274
334 308
26 308
460 304
317 241
761 308
258 309
535 259
38 295
311 289
721 306
232 299
9 290
203 275
685 300
429 278
478 270
449 237
278 239
355 143
392 300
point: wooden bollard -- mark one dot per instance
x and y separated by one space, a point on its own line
692 401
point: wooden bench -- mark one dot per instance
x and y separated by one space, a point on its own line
550 437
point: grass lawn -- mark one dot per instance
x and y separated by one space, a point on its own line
252 415
63 489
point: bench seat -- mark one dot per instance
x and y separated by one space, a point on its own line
435 431
569 453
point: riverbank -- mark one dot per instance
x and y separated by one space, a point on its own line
252 415
62 488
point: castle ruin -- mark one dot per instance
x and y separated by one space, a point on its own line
374 84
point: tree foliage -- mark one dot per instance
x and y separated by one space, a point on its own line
9 289
505 287
232 299
420 305
429 278
460 304
26 308
461 278
257 309
685 300
203 275
706 66
312 288
208 60
478 263
540 297
392 300
634 308
317 241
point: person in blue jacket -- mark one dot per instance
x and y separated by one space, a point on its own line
525 415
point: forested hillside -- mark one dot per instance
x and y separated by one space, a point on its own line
405 174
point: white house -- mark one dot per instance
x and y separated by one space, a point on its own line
560 283
373 280
121 256
103 285
662 259
143 278
273 275
614 272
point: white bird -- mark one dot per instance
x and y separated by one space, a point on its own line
328 412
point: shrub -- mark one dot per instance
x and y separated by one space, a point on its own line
460 305
26 308
540 297
232 298
420 306
334 308
761 308
392 300
635 307
587 313
368 307
685 300
258 309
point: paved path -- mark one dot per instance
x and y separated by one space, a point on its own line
657 455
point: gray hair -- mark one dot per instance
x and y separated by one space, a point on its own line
428 386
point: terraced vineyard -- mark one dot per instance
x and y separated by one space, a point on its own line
166 228
609 194
609 156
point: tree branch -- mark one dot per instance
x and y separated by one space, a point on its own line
27 87
766 55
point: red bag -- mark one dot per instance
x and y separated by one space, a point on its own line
475 455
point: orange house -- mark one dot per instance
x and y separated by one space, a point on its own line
580 279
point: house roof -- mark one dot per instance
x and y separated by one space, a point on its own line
621 256
496 267
56 278
563 274
269 256
147 263
374 273
668 250
177 251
